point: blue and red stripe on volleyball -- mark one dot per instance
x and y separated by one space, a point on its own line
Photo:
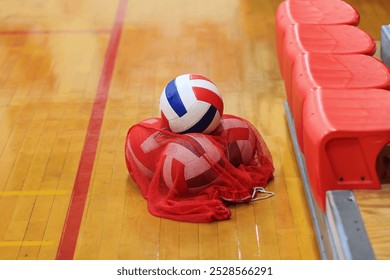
202 94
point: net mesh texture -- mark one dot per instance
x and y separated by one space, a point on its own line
193 177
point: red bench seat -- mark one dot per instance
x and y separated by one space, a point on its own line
311 12
333 71
336 39
344 133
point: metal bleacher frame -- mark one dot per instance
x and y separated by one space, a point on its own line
385 44
339 231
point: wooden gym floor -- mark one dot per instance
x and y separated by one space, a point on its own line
76 75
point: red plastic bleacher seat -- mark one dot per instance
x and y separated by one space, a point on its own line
344 133
337 39
327 12
333 71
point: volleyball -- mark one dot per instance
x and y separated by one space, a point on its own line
190 164
240 138
142 146
191 103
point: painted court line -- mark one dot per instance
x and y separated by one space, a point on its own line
78 198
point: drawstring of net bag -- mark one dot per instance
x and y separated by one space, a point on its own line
263 194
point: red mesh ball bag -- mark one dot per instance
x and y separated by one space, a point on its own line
190 177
